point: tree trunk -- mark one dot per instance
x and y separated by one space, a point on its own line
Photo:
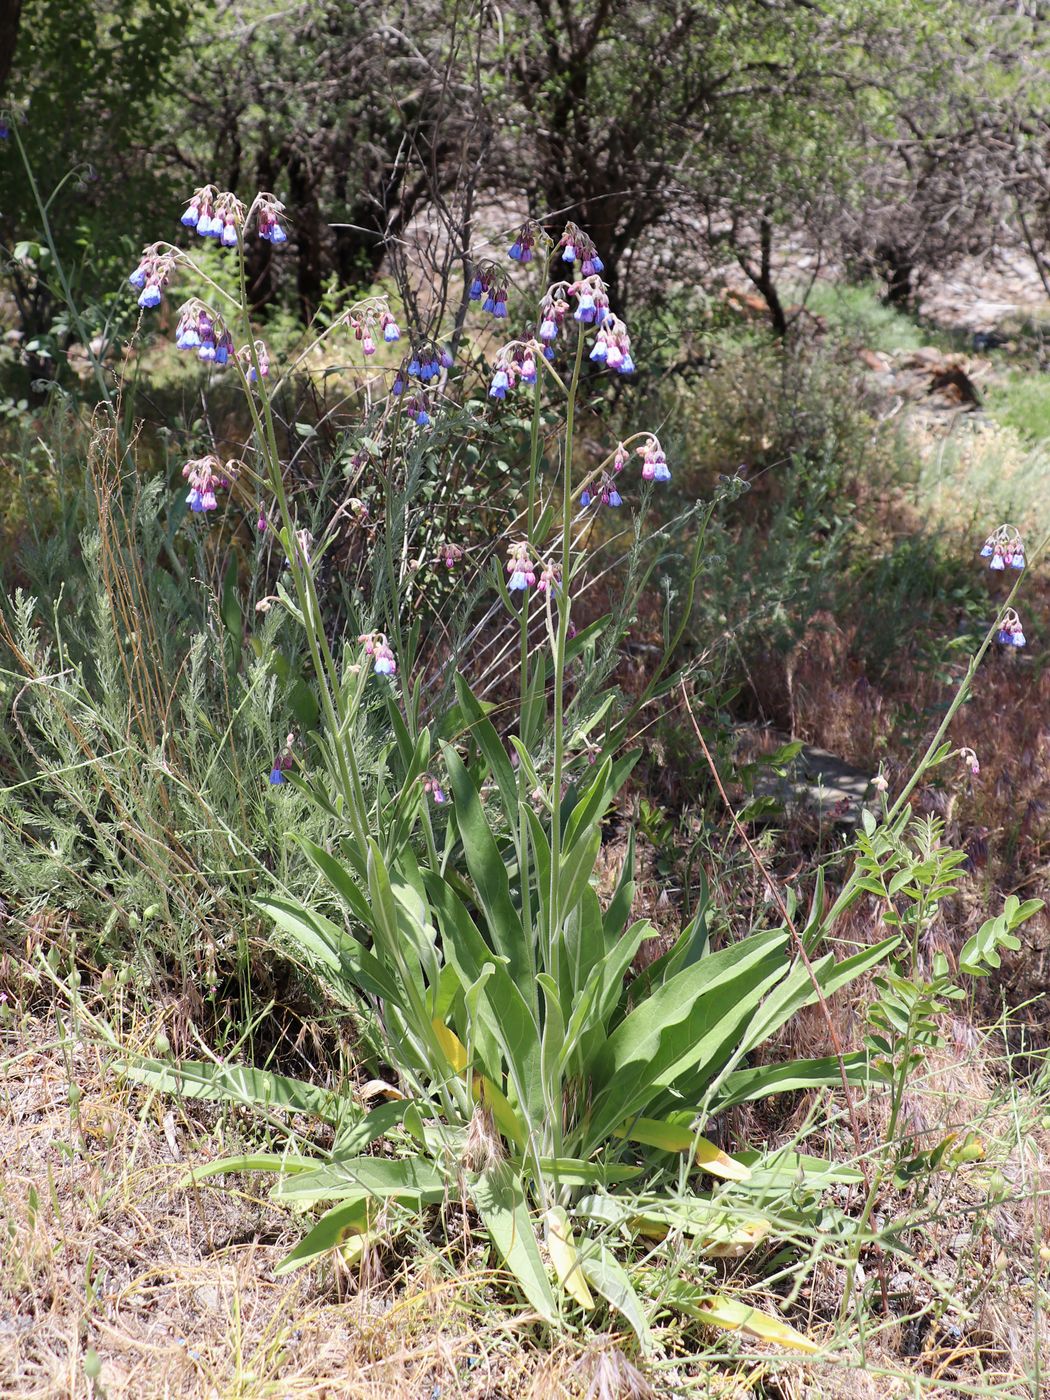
10 14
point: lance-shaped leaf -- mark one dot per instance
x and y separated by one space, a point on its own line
677 1137
500 1202
562 1249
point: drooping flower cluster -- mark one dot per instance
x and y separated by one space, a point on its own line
206 475
1011 633
592 301
151 276
373 318
516 361
450 555
427 362
528 236
268 213
654 463
550 578
215 214
612 346
283 762
553 310
605 492
1004 548
489 286
520 567
971 760
199 330
248 360
378 648
577 246
433 787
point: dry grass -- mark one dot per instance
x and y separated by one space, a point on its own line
174 1291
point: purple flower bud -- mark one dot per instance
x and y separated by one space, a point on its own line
515 251
445 359
476 289
191 216
276 776
414 367
229 234
398 386
585 499
615 499
600 351
391 332
150 295
138 277
423 418
569 255
498 387
489 304
278 235
548 329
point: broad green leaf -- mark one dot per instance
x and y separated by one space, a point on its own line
609 1278
198 1079
589 1023
762 1080
357 1136
500 1202
573 1171
484 734
783 1169
577 867
508 1017
408 1178
488 872
281 1162
338 877
345 964
349 1218
619 910
692 1020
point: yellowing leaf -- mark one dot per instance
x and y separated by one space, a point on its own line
566 1261
676 1137
719 1163
650 1227
735 1241
734 1316
352 1249
456 1052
